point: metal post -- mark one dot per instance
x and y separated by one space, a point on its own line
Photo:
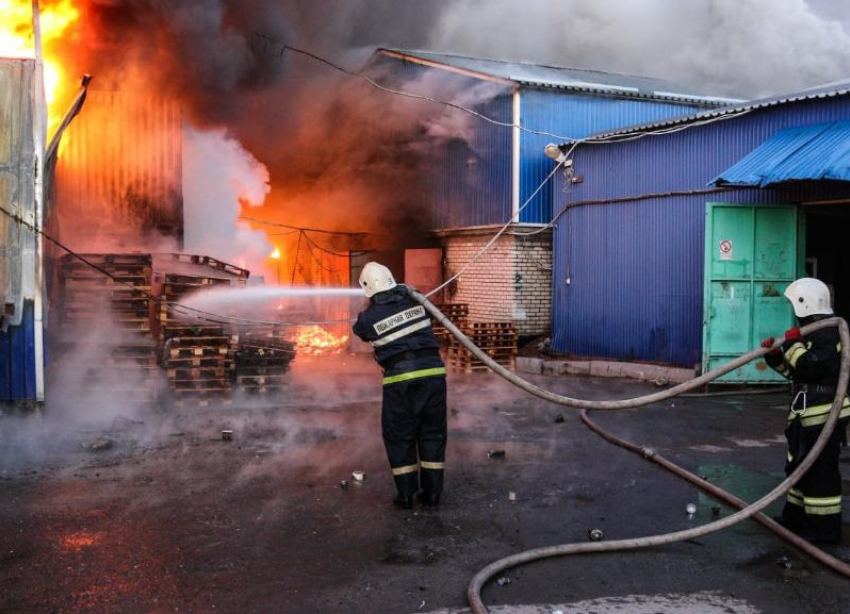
40 140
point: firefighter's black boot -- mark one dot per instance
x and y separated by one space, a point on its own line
432 485
429 499
403 502
407 484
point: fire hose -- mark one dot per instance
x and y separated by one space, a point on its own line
747 511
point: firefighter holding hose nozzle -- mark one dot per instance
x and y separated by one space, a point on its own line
813 506
413 415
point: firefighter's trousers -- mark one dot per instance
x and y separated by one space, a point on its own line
413 422
813 505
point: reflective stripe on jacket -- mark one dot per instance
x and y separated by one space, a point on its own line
399 330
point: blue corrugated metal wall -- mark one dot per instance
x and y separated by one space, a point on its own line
636 268
572 116
17 359
470 182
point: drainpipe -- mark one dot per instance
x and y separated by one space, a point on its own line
515 151
39 138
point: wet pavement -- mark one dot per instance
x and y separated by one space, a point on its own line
167 517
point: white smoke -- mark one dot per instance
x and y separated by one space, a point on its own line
218 173
746 48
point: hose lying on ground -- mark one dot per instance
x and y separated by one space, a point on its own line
478 581
720 494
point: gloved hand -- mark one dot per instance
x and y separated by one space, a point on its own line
768 343
792 336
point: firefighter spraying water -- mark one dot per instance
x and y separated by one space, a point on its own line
413 417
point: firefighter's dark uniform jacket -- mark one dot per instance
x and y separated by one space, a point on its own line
413 416
813 364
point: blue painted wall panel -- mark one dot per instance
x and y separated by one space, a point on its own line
572 116
636 268
17 359
469 179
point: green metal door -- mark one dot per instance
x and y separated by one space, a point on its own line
752 253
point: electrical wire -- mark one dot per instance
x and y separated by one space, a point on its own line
176 307
331 252
574 142
304 228
359 75
492 241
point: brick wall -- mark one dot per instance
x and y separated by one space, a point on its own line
510 282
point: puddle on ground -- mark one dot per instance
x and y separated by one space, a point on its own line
743 483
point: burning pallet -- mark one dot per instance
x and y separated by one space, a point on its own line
499 340
458 313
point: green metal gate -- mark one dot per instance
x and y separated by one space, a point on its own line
752 253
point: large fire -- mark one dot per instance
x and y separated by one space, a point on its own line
315 340
17 41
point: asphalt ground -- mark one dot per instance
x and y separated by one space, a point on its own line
155 513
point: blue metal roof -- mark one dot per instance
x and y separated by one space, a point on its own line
814 152
561 77
829 90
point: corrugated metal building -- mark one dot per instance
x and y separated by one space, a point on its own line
17 245
489 170
485 171
119 174
655 261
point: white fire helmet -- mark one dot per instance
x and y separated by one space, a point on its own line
376 278
809 297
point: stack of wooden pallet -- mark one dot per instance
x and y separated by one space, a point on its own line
106 327
458 313
197 357
173 288
198 367
261 360
122 296
498 339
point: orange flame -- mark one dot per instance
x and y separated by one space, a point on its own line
315 340
16 41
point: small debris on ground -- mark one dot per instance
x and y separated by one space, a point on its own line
496 454
503 581
358 475
784 561
99 444
595 535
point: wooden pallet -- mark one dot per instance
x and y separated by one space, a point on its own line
471 364
454 311
260 380
261 389
114 259
178 373
189 362
207 261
